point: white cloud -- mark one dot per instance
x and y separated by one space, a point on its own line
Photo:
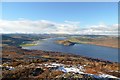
103 29
44 26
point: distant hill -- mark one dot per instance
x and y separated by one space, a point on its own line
14 41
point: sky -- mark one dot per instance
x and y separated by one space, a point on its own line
60 17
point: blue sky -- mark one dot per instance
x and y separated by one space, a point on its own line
86 13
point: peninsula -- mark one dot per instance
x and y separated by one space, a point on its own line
101 41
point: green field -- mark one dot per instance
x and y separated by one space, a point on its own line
77 41
25 45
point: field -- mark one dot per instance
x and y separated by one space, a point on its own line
25 45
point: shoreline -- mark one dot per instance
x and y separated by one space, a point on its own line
27 45
72 54
60 42
76 53
104 46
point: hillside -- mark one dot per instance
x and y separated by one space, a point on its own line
36 64
65 42
102 41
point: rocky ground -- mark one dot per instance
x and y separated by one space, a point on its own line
20 63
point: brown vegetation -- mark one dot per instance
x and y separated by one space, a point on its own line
108 42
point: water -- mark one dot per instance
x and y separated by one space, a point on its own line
105 53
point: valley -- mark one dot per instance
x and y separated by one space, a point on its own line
20 63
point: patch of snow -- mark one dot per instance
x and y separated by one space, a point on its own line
0 65
106 76
46 64
81 68
53 65
70 69
84 65
62 69
56 64
95 76
11 68
50 66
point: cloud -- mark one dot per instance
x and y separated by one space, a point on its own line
102 29
44 26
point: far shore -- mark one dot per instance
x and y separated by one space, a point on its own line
27 45
104 45
105 42
32 43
